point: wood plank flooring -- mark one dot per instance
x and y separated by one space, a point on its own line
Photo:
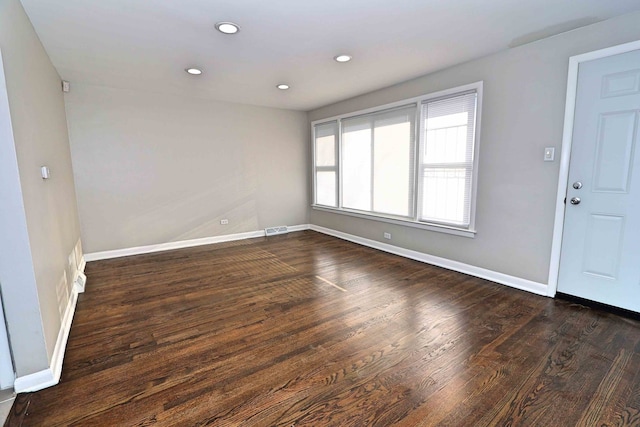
308 330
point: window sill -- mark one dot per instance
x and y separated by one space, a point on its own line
405 222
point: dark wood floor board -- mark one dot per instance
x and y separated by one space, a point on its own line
361 369
307 330
559 383
486 371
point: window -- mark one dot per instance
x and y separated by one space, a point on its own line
377 162
371 164
326 164
446 168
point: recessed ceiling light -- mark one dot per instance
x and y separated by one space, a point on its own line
193 71
343 58
283 86
227 27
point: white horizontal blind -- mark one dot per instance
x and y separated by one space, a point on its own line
446 166
378 162
326 164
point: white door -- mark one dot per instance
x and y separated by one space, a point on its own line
600 256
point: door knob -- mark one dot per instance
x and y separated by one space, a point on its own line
577 185
575 200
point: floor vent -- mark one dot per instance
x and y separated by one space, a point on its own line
272 231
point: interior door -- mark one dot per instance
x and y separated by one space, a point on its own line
600 256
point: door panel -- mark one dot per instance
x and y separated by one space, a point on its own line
619 84
603 245
616 140
600 256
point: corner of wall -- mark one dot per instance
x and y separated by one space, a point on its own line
51 376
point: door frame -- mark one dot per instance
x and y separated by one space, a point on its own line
565 155
11 182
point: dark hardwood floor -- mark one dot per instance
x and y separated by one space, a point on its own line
308 330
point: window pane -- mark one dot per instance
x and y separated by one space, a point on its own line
449 129
393 151
326 136
326 188
356 168
377 161
447 159
448 145
445 192
449 119
326 151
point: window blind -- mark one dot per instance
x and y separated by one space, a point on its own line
378 162
446 167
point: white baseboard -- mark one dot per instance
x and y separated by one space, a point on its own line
483 273
34 382
300 227
51 376
139 250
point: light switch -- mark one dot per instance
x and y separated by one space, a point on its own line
549 154
44 171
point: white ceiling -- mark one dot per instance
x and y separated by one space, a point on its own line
146 44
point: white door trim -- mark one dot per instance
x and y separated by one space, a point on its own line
8 164
565 155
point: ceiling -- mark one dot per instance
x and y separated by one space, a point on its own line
147 44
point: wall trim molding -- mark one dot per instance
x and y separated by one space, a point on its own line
483 273
51 376
181 244
34 382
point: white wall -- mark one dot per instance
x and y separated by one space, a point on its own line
523 112
40 217
152 168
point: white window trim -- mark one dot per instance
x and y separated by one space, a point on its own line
466 232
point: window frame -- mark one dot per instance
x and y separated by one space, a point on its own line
337 168
413 220
423 166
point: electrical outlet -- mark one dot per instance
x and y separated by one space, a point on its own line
224 221
387 236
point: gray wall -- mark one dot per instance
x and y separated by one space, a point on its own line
153 168
523 112
42 214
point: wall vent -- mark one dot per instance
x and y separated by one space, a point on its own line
81 280
272 231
